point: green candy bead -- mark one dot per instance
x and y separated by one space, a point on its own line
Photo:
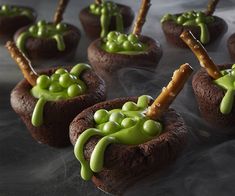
200 19
55 77
74 90
152 128
5 8
130 106
97 11
93 6
77 69
110 127
233 66
55 87
233 73
65 80
121 38
128 122
133 38
127 46
41 23
33 29
101 116
181 19
113 47
61 27
61 71
112 36
117 117
42 31
43 81
138 47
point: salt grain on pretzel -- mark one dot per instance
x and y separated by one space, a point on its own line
23 63
169 93
201 54
140 20
58 17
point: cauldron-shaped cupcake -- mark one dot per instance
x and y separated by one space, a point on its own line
13 17
214 87
121 140
47 40
104 16
204 25
48 102
117 50
231 46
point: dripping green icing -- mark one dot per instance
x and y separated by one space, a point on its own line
43 30
61 85
227 82
7 10
193 18
128 125
119 43
106 10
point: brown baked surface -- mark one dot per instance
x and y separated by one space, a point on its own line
231 46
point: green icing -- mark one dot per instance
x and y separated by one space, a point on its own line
227 82
43 30
192 18
7 10
106 10
119 43
61 85
128 125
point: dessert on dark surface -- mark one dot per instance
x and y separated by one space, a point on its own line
48 40
13 17
117 50
231 46
48 102
204 25
119 141
104 16
213 86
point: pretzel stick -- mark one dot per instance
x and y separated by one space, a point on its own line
169 93
201 54
141 18
98 1
211 7
23 62
58 17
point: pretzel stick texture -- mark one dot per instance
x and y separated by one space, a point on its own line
201 54
169 93
23 62
98 1
141 18
211 7
58 17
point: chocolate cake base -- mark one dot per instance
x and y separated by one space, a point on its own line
91 22
10 24
209 97
57 115
172 31
231 46
124 164
46 48
107 64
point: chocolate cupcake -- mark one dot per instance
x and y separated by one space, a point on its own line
205 26
49 40
231 46
48 102
121 140
13 17
213 87
92 18
117 50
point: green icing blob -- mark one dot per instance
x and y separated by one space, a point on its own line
128 126
119 43
227 82
53 89
7 10
193 18
43 30
106 10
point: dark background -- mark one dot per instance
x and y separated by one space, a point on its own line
207 165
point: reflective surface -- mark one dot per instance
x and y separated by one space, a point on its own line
206 166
